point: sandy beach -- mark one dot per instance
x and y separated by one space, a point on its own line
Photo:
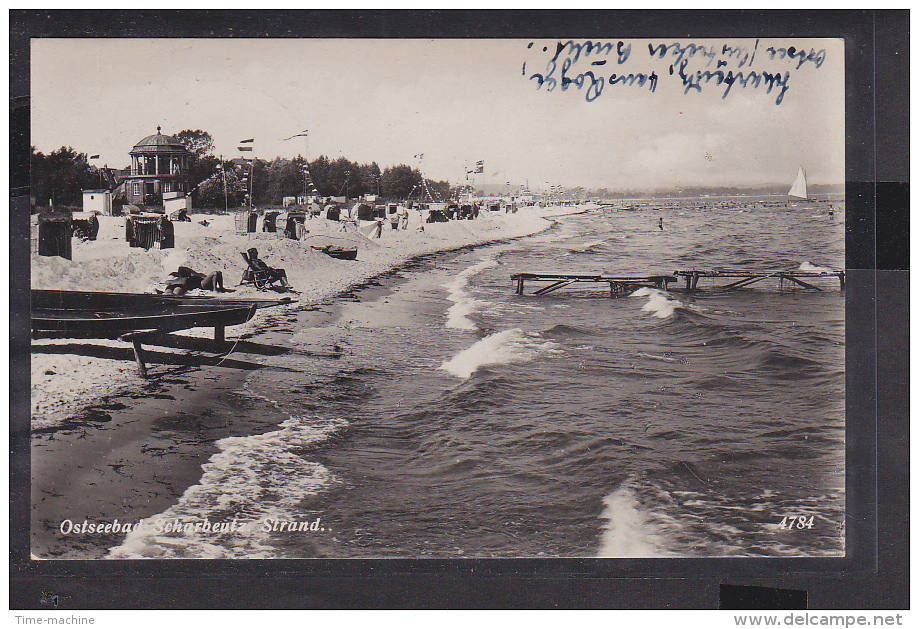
109 445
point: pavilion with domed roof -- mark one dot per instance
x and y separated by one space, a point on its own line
159 166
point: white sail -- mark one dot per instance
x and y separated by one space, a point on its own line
799 187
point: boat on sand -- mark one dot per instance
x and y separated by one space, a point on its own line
74 314
135 317
340 253
87 314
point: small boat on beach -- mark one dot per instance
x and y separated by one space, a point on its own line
89 300
113 324
341 246
339 253
84 314
135 317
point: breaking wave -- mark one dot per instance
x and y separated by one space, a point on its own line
463 303
659 304
629 531
250 481
509 346
807 266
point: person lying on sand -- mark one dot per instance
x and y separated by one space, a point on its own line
274 275
185 279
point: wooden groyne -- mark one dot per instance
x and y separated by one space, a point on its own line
619 285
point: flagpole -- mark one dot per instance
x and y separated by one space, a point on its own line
308 185
226 201
306 159
249 149
420 157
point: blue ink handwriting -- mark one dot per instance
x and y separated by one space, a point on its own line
693 81
581 65
815 57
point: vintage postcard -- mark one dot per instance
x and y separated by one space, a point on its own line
449 298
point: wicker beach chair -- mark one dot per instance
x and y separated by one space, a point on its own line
254 276
263 279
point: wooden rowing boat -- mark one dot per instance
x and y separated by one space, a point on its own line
136 317
340 253
78 314
91 300
98 323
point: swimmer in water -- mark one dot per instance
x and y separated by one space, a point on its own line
660 223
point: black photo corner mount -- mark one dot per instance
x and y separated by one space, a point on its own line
874 572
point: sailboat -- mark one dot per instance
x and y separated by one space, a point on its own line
799 187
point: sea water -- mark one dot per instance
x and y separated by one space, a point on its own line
451 417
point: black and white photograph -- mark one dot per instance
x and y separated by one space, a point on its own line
437 298
458 309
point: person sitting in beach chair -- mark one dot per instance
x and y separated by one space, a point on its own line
260 274
185 279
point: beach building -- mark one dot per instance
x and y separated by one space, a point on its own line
159 165
176 201
98 200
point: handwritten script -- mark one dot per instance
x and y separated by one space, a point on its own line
598 67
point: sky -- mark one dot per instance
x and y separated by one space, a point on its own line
460 101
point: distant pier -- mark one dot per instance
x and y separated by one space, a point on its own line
744 278
619 285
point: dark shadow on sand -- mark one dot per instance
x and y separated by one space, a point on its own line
208 345
151 356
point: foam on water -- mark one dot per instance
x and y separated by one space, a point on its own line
463 303
659 305
807 266
587 246
629 531
668 359
501 348
250 480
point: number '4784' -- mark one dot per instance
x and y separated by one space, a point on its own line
796 522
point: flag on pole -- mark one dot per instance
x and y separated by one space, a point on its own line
480 166
302 134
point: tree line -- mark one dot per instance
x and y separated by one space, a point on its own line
62 175
273 180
